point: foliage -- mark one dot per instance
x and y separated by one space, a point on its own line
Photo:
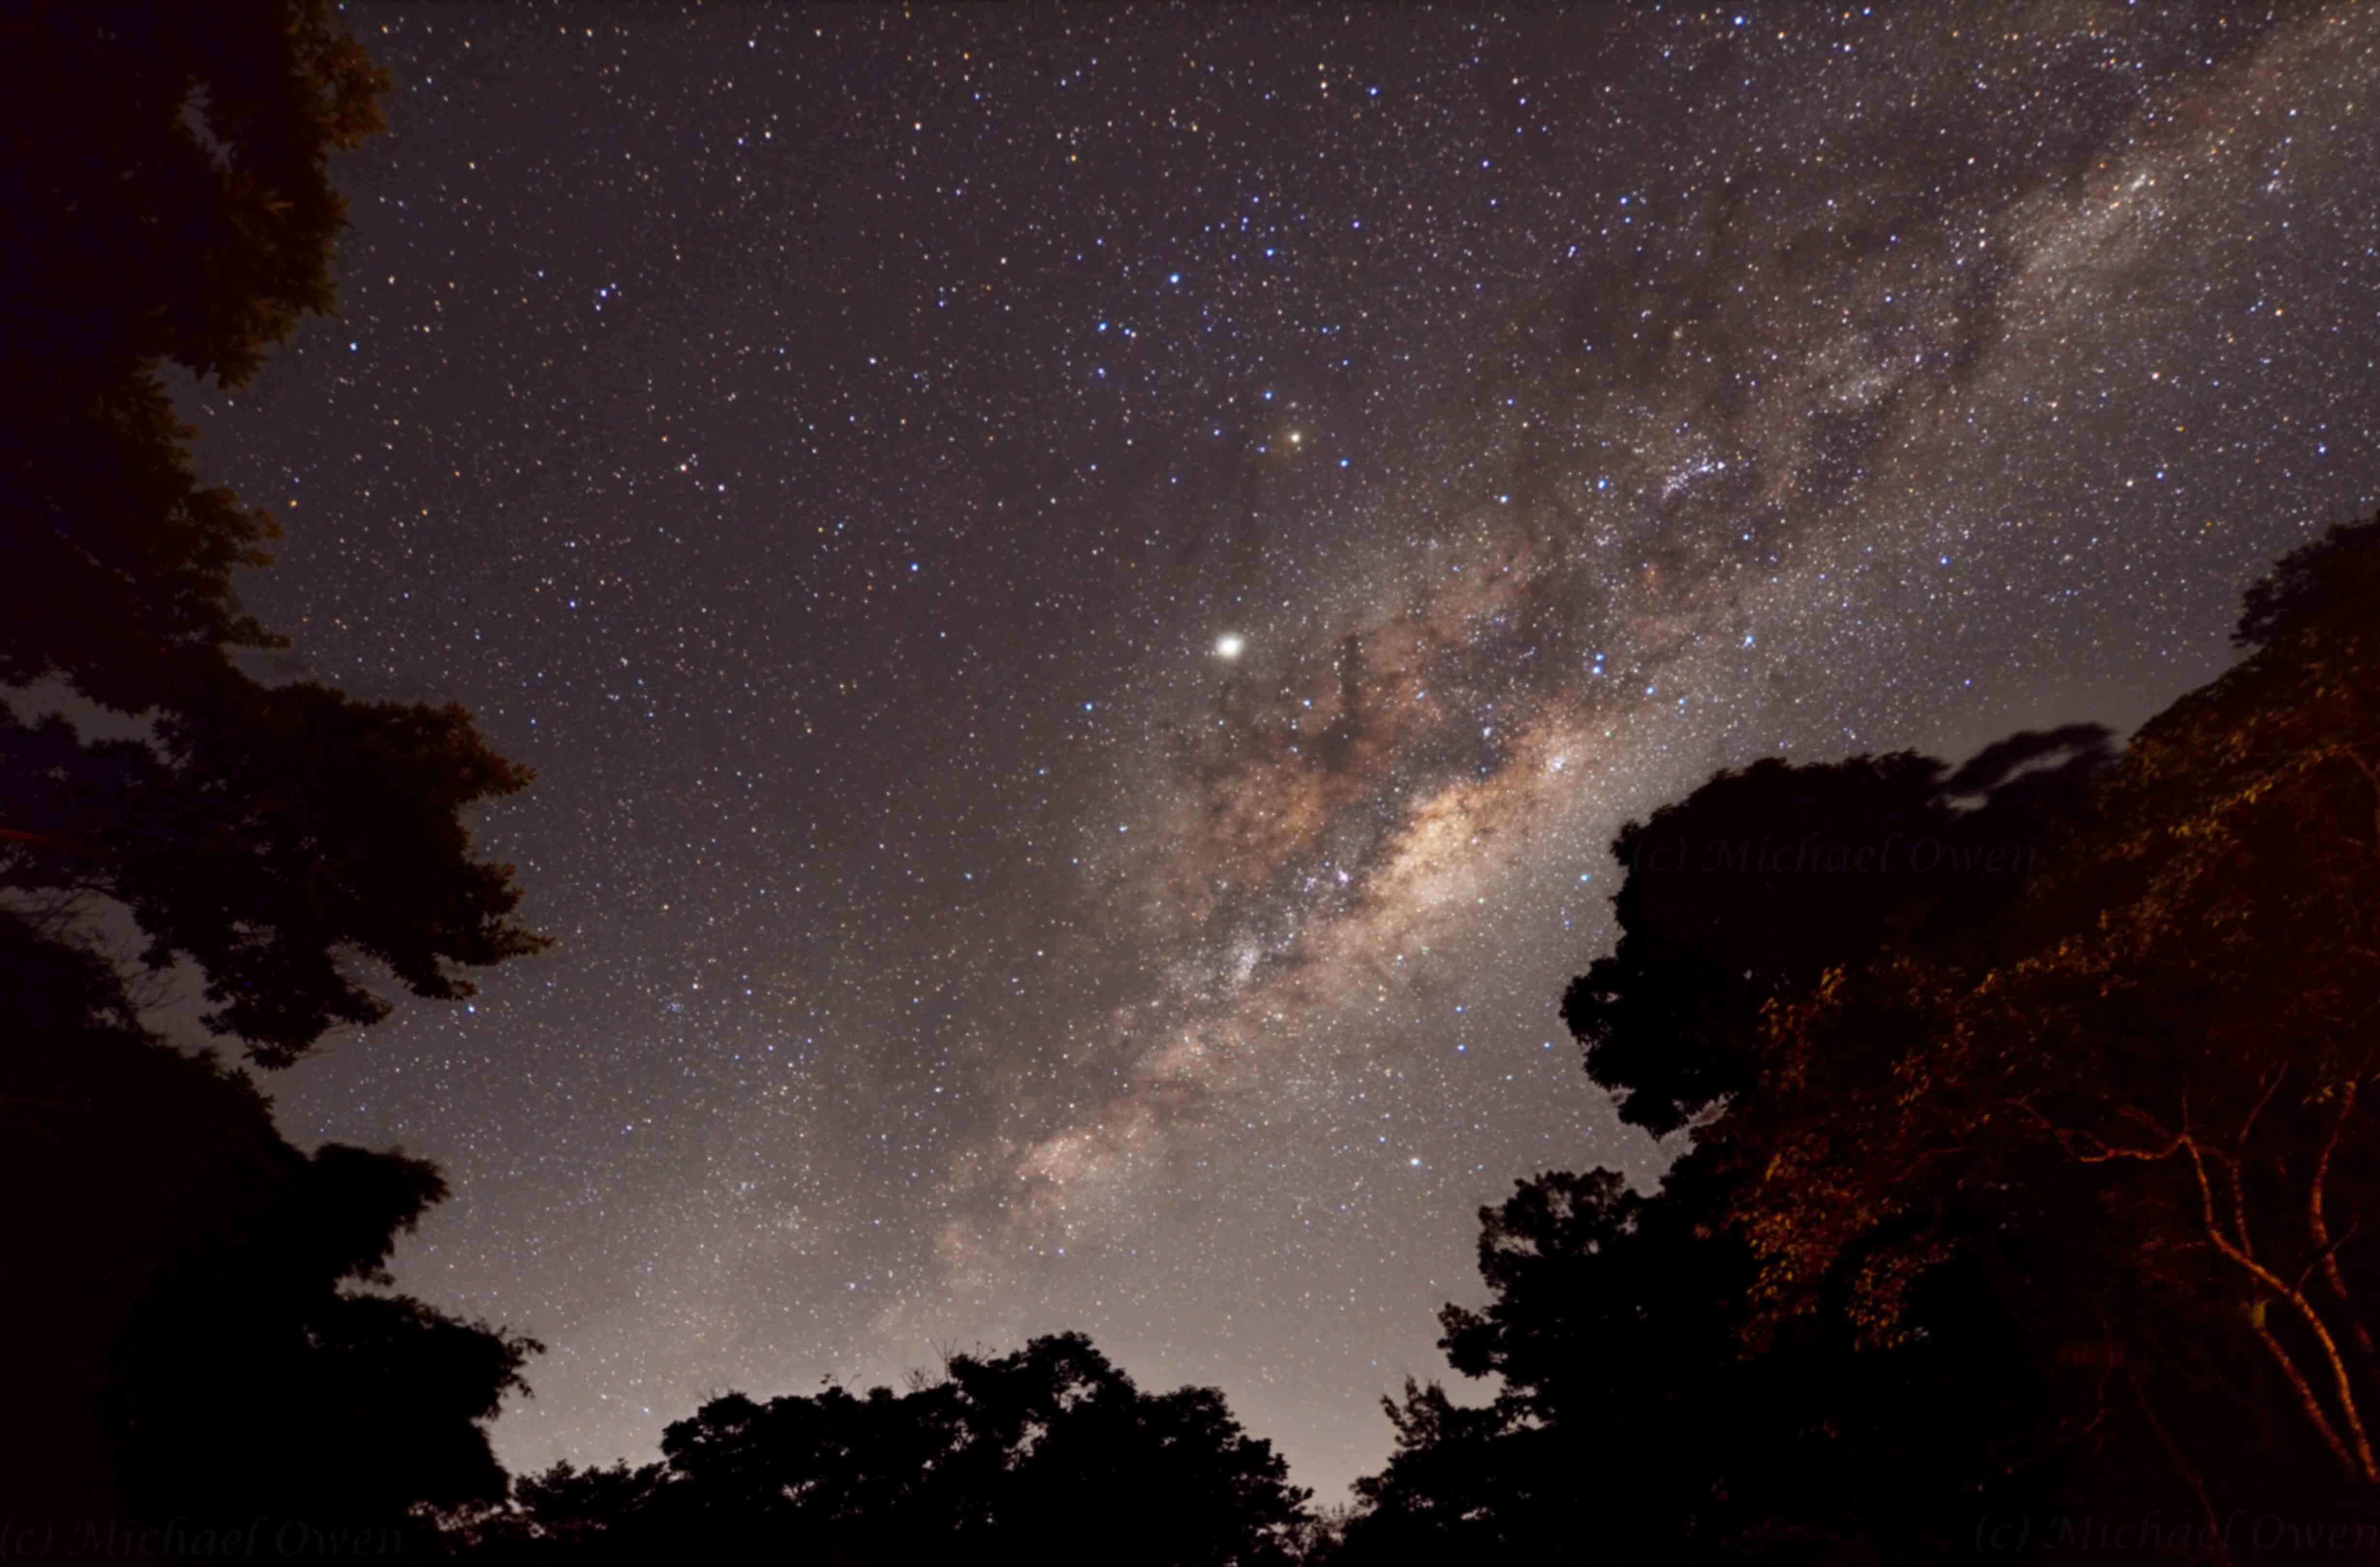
1050 1453
175 163
196 1298
1631 1408
2160 1065
201 1308
269 838
2032 1164
1759 882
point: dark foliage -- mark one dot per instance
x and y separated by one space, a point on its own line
270 839
2034 1191
1048 1454
2337 577
173 161
2156 1070
1632 1412
197 1313
194 1300
1760 880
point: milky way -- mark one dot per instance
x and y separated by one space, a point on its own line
1087 590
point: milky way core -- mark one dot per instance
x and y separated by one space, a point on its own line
1088 588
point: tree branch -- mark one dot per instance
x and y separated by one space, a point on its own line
2361 1465
2327 1249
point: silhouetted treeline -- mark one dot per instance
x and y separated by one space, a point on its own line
2027 1166
204 1357
1048 1454
2024 1174
2028 1199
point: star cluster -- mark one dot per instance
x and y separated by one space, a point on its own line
1086 589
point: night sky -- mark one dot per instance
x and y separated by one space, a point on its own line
1086 590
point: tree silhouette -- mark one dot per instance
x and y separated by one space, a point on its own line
1759 882
2159 1063
1626 1337
188 1291
2037 1190
167 173
200 1309
173 163
269 841
1633 1407
1048 1454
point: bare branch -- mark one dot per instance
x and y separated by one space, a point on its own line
2361 1465
2317 1225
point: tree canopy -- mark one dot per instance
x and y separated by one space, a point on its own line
176 164
1759 882
2032 1172
2173 1033
1050 1453
201 1311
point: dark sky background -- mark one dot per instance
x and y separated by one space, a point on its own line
1086 590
